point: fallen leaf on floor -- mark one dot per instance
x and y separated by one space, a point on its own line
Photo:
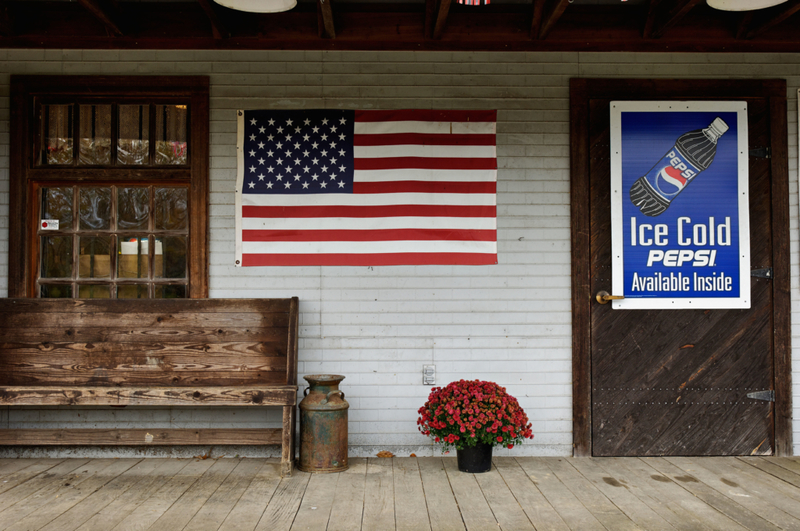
385 454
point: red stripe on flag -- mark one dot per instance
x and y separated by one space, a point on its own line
381 211
373 235
425 187
386 259
425 163
426 115
423 139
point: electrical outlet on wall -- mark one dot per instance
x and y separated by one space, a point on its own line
429 374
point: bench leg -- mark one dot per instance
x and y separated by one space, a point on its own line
287 443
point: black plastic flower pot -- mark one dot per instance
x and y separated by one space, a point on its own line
475 459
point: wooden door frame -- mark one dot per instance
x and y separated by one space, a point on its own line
582 90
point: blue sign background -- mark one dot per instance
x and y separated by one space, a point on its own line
645 138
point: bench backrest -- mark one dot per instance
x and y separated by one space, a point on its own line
148 342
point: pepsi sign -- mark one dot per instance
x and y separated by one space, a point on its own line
679 205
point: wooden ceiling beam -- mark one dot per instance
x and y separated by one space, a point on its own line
650 20
218 28
325 27
752 26
441 19
430 18
673 16
105 12
549 21
536 22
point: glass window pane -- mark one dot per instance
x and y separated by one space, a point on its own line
56 257
57 142
55 291
171 134
95 208
95 258
95 134
57 204
137 291
94 291
132 260
172 208
133 144
133 208
171 292
174 262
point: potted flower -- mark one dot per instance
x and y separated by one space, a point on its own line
473 417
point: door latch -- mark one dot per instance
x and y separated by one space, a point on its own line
603 297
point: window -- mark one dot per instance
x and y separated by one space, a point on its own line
109 187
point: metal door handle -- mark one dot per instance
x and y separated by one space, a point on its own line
603 297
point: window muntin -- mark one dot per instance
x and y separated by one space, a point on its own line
101 247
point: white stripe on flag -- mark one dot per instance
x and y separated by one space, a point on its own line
442 128
411 150
371 247
406 222
406 174
368 199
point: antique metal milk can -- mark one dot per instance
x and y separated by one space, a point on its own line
323 425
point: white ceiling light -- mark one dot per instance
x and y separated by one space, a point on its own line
743 5
259 6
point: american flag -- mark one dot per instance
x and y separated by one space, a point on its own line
343 187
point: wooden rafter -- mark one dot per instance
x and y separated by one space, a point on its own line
105 12
536 22
650 20
430 17
325 26
441 19
549 21
218 28
664 21
752 26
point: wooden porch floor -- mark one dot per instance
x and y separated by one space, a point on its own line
402 493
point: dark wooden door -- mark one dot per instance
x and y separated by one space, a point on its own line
675 382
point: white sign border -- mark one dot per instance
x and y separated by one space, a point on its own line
617 271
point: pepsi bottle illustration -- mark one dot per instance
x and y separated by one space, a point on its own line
692 154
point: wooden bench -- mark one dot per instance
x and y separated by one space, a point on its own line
177 352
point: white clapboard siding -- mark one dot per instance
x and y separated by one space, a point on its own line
378 326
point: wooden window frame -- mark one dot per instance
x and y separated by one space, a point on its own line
25 175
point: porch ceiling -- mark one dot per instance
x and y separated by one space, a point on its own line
535 25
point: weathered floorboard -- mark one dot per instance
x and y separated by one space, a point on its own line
529 497
216 508
109 516
251 505
379 495
410 511
600 506
408 494
709 495
559 496
475 510
196 496
506 509
348 505
617 489
442 508
285 502
768 466
315 509
678 506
